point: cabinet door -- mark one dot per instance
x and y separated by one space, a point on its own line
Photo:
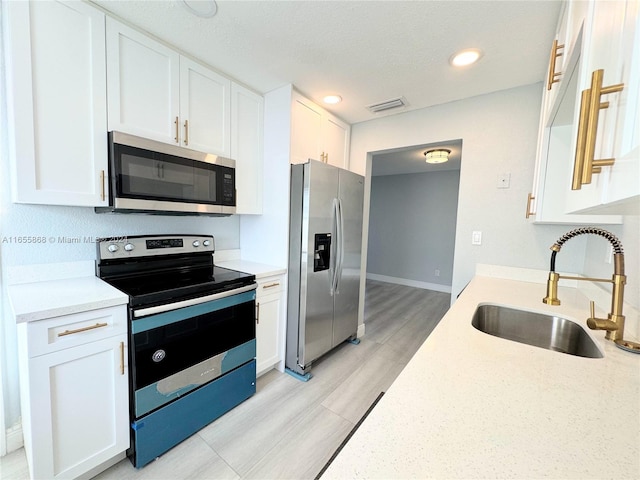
268 323
336 137
57 102
143 85
622 191
246 148
205 113
306 130
79 408
612 46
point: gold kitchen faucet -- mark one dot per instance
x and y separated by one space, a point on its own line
614 323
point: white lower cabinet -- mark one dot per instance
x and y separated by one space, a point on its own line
269 319
74 392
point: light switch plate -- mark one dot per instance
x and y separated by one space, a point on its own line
476 238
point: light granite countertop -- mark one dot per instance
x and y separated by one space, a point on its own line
474 406
52 298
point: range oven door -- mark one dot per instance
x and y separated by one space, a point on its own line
181 349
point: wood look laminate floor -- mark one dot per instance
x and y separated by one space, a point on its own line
290 429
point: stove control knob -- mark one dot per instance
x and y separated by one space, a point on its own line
129 246
206 243
196 243
113 248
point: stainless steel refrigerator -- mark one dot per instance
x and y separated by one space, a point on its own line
325 237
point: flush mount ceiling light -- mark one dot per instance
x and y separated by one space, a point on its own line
201 8
439 155
465 57
332 99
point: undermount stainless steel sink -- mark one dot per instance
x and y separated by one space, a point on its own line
537 329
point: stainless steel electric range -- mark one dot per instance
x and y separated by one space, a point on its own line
191 335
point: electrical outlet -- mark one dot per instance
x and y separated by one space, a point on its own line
476 238
437 273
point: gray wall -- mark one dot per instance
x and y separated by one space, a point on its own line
412 223
499 134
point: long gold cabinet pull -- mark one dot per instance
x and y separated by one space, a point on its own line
591 104
529 213
258 313
121 358
186 132
103 195
83 329
553 75
177 124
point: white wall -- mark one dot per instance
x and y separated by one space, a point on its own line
412 224
498 132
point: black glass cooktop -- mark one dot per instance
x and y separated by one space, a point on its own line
174 285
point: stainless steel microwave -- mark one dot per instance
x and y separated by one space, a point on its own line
147 176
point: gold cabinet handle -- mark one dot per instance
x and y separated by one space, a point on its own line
553 75
102 187
121 358
271 285
186 132
258 313
177 123
529 213
578 164
591 165
83 329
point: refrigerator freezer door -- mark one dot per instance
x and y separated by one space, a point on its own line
316 296
351 195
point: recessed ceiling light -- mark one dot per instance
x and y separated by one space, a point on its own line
332 99
465 57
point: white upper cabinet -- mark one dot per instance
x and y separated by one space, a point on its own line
574 180
205 110
143 78
57 105
247 126
156 93
317 134
610 165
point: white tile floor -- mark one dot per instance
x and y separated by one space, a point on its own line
290 429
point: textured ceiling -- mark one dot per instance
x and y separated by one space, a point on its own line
365 51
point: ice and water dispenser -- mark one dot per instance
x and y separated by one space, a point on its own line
321 252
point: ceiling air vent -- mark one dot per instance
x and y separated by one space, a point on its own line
388 105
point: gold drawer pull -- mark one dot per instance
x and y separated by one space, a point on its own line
529 213
271 285
553 75
186 132
83 329
258 313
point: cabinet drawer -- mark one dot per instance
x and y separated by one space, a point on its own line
68 331
269 285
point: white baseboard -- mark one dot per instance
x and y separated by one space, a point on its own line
14 437
410 283
361 329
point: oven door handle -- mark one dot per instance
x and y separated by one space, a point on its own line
143 312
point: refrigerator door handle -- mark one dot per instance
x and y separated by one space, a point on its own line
340 246
333 251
